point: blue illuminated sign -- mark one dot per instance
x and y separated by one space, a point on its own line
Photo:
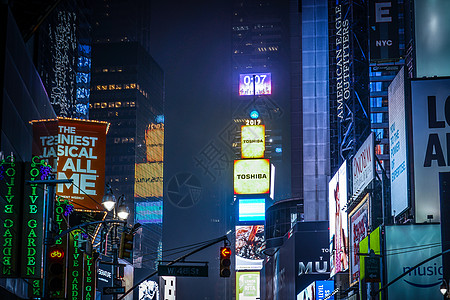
149 212
254 114
252 209
324 288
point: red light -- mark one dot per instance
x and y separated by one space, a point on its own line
56 254
225 252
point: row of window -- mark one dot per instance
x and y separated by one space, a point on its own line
109 69
113 87
116 104
123 140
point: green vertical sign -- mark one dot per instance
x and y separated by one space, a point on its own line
74 267
35 288
89 278
33 217
10 193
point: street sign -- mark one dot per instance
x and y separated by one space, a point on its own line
110 290
372 269
184 271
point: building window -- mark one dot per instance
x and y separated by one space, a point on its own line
376 118
376 102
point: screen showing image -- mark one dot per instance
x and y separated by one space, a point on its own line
252 210
261 82
249 240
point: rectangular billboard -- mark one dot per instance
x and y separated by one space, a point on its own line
339 254
375 245
430 125
148 212
398 145
253 141
148 180
383 30
154 142
261 82
249 241
251 176
407 246
248 286
359 220
432 38
252 210
318 290
78 147
363 166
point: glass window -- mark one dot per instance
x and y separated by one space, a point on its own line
376 102
376 118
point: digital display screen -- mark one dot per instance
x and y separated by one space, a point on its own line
149 212
249 241
262 82
248 285
251 176
253 141
252 210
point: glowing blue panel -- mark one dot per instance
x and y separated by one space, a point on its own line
149 212
252 209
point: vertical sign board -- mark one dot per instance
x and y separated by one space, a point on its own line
154 142
339 254
383 30
11 199
251 176
249 241
407 246
375 245
253 141
89 278
33 221
431 143
359 226
398 145
248 286
74 267
363 165
432 38
79 147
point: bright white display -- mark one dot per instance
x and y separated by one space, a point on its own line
363 166
252 210
262 82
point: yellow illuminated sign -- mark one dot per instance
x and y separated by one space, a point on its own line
148 180
253 141
251 176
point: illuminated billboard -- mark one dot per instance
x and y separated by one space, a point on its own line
149 290
262 82
148 212
363 166
249 241
251 176
252 209
398 145
318 290
154 142
359 227
253 141
248 286
148 180
407 246
430 125
339 252
76 150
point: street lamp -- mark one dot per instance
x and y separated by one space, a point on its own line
123 212
109 200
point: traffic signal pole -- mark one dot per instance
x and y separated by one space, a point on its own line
223 238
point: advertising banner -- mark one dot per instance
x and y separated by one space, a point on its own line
339 254
430 122
75 272
149 290
146 212
249 240
359 226
261 82
407 246
252 210
432 37
253 141
363 165
383 30
375 245
154 141
248 286
251 176
79 147
10 211
398 145
318 290
148 180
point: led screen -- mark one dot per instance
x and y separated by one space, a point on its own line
251 176
339 252
148 180
252 209
253 141
154 142
262 82
148 212
149 290
248 286
249 240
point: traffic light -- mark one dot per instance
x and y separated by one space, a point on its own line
225 261
56 273
84 244
126 245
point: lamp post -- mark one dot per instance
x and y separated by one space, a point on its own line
122 213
